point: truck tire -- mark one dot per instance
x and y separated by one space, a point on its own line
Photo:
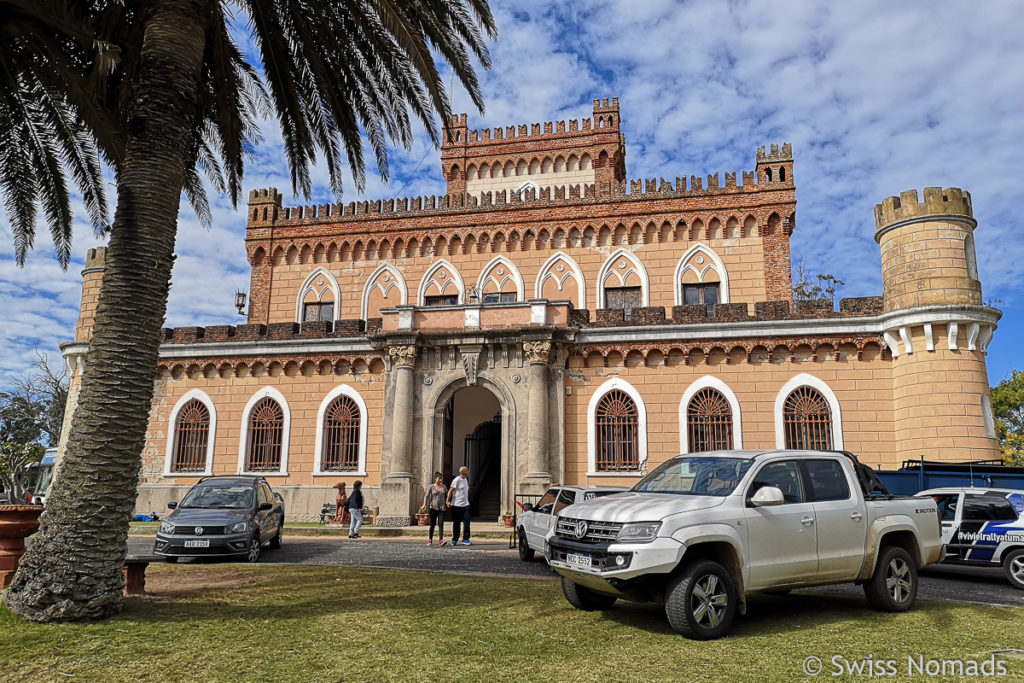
585 599
1013 565
525 551
701 602
893 587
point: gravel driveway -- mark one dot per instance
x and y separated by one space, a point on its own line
494 557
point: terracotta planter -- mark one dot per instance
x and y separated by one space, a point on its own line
508 520
422 519
17 522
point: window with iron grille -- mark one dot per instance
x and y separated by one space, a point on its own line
317 312
191 435
617 426
266 432
341 436
807 420
709 421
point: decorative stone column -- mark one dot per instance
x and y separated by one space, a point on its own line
396 489
537 353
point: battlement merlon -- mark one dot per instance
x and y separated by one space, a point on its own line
951 201
606 120
95 258
774 155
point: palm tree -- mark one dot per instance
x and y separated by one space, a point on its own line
165 93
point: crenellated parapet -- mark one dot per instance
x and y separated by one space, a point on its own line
265 207
585 150
938 202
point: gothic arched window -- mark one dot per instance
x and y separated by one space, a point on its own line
266 431
807 420
191 435
341 436
709 421
617 424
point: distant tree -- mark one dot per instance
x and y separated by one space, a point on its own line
20 419
1008 410
16 474
50 389
824 285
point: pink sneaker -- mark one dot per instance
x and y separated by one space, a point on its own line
443 542
431 542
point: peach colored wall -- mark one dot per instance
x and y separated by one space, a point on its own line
938 397
863 388
230 395
743 258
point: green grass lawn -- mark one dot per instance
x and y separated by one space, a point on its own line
240 623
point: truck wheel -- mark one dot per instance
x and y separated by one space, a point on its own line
585 599
525 551
893 587
700 603
1013 565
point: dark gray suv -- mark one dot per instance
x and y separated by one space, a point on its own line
227 515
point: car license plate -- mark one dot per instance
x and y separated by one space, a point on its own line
205 543
578 560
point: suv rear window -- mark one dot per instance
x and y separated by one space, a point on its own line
989 507
828 481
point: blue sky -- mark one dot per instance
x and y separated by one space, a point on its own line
876 97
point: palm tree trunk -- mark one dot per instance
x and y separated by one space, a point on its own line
72 569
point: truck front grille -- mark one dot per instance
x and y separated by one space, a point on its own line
597 532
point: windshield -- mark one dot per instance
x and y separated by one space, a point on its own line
696 476
45 477
236 497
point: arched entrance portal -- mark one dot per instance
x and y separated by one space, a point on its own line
472 437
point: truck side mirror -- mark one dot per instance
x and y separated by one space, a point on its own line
767 496
266 506
172 505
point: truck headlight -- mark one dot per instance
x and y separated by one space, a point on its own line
640 532
166 528
237 528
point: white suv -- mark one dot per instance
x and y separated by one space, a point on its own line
533 524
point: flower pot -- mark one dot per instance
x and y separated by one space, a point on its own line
508 520
422 519
17 522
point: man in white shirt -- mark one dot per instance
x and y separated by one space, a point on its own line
458 502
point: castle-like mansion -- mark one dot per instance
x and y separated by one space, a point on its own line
547 321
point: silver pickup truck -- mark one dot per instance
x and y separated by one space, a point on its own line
703 531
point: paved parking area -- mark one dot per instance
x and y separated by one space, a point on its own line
494 557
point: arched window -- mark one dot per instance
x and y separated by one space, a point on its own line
191 436
807 420
266 432
342 421
617 426
709 421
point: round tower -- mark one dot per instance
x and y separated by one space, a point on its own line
936 326
92 279
928 249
